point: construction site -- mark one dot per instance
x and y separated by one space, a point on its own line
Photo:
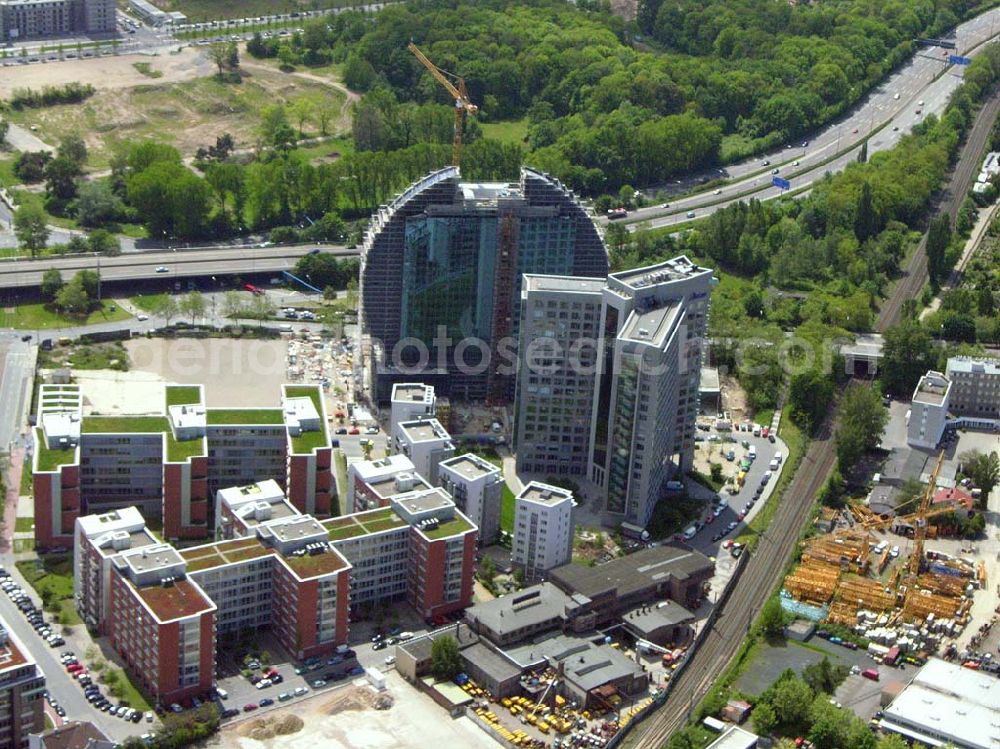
901 603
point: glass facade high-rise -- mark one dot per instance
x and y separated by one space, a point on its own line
446 259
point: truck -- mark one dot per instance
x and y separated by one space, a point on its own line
870 673
617 213
892 656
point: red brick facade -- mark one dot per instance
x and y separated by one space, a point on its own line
300 468
51 531
175 479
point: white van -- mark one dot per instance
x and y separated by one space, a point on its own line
690 532
773 465
753 452
777 457
881 547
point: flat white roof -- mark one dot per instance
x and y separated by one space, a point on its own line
734 737
373 470
469 466
946 702
124 519
412 392
424 430
969 364
544 494
188 416
263 491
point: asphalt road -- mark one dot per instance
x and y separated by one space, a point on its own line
919 85
60 685
183 263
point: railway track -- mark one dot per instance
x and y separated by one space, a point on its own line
767 564
914 275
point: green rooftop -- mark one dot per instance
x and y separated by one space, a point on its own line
306 442
362 524
50 459
125 424
177 451
225 416
454 526
183 395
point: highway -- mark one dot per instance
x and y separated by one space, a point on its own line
180 263
768 562
888 112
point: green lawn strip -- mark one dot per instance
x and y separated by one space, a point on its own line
148 302
340 465
242 416
52 578
306 442
509 131
507 503
37 317
49 459
450 528
183 395
24 525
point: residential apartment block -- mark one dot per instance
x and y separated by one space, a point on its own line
22 688
27 19
171 463
300 577
560 328
543 528
373 483
975 390
447 256
410 401
476 486
426 443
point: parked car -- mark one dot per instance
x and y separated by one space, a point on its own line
249 707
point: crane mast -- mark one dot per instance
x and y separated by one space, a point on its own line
463 105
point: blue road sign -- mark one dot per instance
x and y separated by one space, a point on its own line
957 60
784 184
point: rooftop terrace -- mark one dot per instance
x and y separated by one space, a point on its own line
315 565
177 450
50 459
452 527
223 552
182 395
244 416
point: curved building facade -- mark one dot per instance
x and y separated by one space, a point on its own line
441 273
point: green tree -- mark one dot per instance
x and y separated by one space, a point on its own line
167 308
765 719
97 204
938 239
52 282
772 618
60 178
446 662
829 725
302 111
716 472
73 148
193 304
4 129
73 298
232 305
865 218
30 228
983 469
810 394
820 676
861 419
104 242
262 308
907 354
791 698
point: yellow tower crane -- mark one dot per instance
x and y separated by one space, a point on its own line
463 105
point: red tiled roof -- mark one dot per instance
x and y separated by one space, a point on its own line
953 495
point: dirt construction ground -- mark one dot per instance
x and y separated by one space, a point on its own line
350 718
108 72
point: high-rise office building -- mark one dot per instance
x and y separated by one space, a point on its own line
559 333
447 256
653 329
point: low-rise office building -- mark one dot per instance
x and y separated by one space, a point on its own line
653 574
975 391
543 528
945 703
476 487
530 612
426 443
170 463
22 688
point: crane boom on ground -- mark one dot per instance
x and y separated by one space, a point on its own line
463 105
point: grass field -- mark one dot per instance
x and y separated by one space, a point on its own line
24 525
512 131
52 578
7 169
187 115
148 302
37 317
